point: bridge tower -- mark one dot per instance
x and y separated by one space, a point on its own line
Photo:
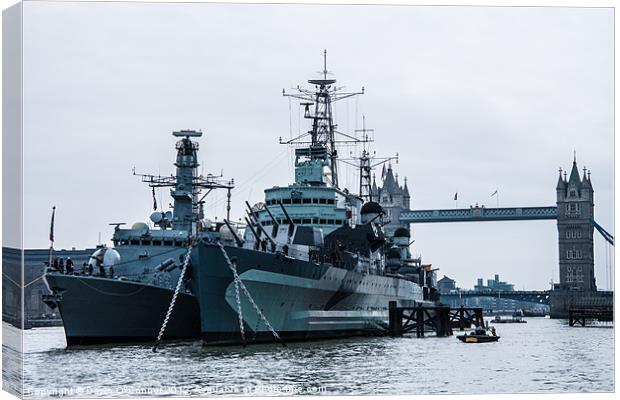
575 202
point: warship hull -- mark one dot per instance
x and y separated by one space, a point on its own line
300 299
98 310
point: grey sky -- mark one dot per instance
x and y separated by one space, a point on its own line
473 99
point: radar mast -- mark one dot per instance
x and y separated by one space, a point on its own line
187 184
317 157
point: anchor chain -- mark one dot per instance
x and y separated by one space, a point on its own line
240 283
239 310
174 297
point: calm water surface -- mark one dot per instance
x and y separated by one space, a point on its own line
541 356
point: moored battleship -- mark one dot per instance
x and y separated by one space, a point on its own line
314 261
123 293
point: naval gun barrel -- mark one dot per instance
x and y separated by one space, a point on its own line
167 265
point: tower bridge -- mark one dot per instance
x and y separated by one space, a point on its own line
530 296
573 213
479 214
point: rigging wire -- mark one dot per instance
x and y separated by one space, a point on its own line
246 184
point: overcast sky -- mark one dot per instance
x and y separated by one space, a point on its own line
473 99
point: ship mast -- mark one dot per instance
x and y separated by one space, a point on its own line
323 140
187 184
366 162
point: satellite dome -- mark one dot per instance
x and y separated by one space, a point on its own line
140 226
371 208
157 217
402 232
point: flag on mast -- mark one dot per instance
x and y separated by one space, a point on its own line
52 224
456 196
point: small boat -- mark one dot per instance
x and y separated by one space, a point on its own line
477 338
534 313
515 319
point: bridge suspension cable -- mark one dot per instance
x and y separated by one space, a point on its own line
606 235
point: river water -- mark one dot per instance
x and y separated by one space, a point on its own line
543 355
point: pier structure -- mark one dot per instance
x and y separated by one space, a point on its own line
573 213
440 319
582 315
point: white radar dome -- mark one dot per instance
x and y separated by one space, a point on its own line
105 256
111 257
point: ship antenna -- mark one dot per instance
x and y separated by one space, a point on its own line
325 64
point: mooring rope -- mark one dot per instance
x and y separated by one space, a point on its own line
240 283
174 297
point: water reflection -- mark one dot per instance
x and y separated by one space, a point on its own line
543 355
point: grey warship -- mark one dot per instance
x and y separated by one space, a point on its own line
123 293
314 261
